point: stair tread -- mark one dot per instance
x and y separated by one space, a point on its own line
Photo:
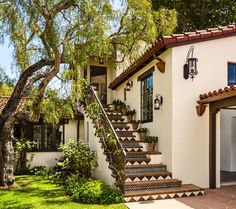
153 182
145 166
137 159
183 188
133 147
128 175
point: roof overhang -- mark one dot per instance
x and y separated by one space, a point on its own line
221 94
174 40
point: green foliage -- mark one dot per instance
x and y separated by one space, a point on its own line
39 193
143 130
6 83
91 191
199 14
131 112
41 171
77 158
152 139
21 147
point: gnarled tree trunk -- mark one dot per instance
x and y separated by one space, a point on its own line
6 156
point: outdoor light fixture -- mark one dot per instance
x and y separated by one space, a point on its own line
158 102
190 67
129 85
101 61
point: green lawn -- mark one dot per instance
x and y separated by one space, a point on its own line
42 194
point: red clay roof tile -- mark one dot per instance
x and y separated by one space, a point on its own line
162 44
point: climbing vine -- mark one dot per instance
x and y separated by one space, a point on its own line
103 131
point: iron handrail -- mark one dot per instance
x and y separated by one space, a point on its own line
108 121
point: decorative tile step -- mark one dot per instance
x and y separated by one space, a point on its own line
130 177
137 161
125 133
114 113
128 144
133 149
136 154
164 193
120 127
152 184
132 138
145 168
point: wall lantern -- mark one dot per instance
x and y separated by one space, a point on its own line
158 102
190 67
101 61
129 85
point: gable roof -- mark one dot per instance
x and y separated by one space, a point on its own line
174 40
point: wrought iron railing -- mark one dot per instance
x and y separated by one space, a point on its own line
116 155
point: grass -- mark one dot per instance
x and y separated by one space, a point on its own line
42 193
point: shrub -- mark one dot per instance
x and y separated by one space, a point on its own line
78 159
91 191
41 171
21 147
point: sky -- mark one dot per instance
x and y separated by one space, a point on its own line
6 58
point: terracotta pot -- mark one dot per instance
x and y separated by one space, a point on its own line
135 126
151 147
142 136
129 118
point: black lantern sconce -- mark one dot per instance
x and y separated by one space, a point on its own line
190 67
129 85
101 61
158 102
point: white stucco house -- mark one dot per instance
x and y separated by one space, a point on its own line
191 77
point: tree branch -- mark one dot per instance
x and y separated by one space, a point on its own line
17 94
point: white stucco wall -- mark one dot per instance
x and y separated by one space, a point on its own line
184 136
102 172
49 159
190 132
162 119
228 140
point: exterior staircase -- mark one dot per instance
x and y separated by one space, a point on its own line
144 179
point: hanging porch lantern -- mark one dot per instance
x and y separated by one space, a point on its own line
190 67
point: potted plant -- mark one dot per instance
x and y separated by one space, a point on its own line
130 114
124 109
152 141
142 133
115 104
135 124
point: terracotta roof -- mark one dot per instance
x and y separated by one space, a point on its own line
4 100
217 95
166 42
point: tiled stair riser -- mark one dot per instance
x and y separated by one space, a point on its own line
146 170
145 177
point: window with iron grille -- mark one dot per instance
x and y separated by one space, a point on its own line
147 99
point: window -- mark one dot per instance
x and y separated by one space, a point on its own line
147 98
48 138
231 74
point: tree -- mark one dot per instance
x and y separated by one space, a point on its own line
6 83
199 14
49 34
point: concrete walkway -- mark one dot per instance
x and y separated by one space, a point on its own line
158 204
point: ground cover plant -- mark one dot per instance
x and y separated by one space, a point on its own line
40 193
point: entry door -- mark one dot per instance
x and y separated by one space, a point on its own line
98 79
